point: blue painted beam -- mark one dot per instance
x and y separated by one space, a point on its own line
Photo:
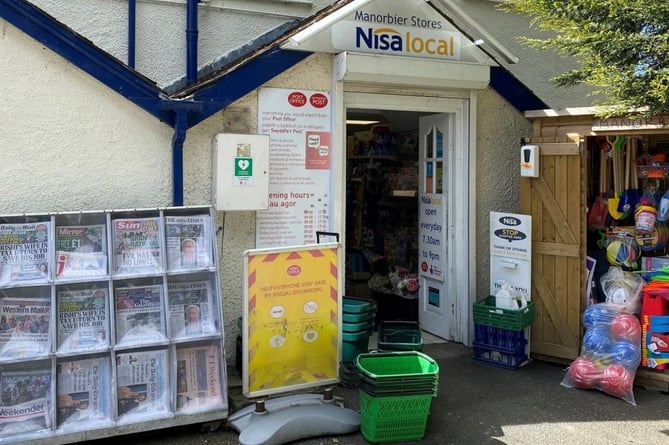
82 53
232 86
514 91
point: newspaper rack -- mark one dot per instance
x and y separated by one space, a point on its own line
111 323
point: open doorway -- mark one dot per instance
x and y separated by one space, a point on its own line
382 210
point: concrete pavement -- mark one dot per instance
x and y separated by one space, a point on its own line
482 404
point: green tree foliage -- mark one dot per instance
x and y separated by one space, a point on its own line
622 47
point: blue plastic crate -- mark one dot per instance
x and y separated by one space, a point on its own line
497 357
499 338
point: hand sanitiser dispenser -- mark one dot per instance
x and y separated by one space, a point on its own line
529 161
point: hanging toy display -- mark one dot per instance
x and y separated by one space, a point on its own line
623 253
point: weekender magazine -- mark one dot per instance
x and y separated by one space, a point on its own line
191 309
24 252
83 321
198 379
188 242
142 383
81 251
24 402
84 393
139 314
137 245
24 327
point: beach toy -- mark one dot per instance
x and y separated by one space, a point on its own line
626 327
617 381
584 373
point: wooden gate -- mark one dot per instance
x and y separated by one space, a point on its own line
556 200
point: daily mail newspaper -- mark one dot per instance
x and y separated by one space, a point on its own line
191 309
137 245
81 251
84 394
83 322
199 379
24 327
139 314
142 384
25 402
24 252
188 242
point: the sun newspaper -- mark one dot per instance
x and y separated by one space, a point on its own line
83 320
24 402
81 251
24 252
84 393
139 314
199 379
137 245
24 327
188 242
191 309
142 383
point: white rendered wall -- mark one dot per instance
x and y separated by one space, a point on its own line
223 26
70 143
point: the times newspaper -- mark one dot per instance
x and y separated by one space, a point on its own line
24 252
24 327
139 314
83 321
24 402
188 242
137 245
198 379
142 383
81 251
84 393
191 309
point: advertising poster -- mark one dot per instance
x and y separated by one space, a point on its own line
298 123
291 318
431 237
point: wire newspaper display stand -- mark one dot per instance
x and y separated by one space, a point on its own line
110 323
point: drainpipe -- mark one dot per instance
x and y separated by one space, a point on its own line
191 41
132 15
181 108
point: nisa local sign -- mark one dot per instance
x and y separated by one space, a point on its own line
396 40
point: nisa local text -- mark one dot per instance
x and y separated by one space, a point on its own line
389 39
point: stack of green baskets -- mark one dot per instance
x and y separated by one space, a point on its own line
396 391
357 324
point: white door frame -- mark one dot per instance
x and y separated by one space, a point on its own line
464 210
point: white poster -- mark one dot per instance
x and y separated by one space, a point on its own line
300 166
431 237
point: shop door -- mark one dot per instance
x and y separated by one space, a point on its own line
436 141
556 202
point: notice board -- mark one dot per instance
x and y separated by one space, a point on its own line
291 322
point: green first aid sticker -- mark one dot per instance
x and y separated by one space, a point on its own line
243 167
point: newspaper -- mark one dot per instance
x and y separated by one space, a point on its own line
136 245
24 252
142 383
191 309
84 398
188 242
198 379
81 251
24 404
83 322
24 327
139 314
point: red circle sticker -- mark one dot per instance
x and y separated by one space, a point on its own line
294 270
297 99
318 100
423 266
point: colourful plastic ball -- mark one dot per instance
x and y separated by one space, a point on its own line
583 373
597 314
617 381
626 327
626 354
596 341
